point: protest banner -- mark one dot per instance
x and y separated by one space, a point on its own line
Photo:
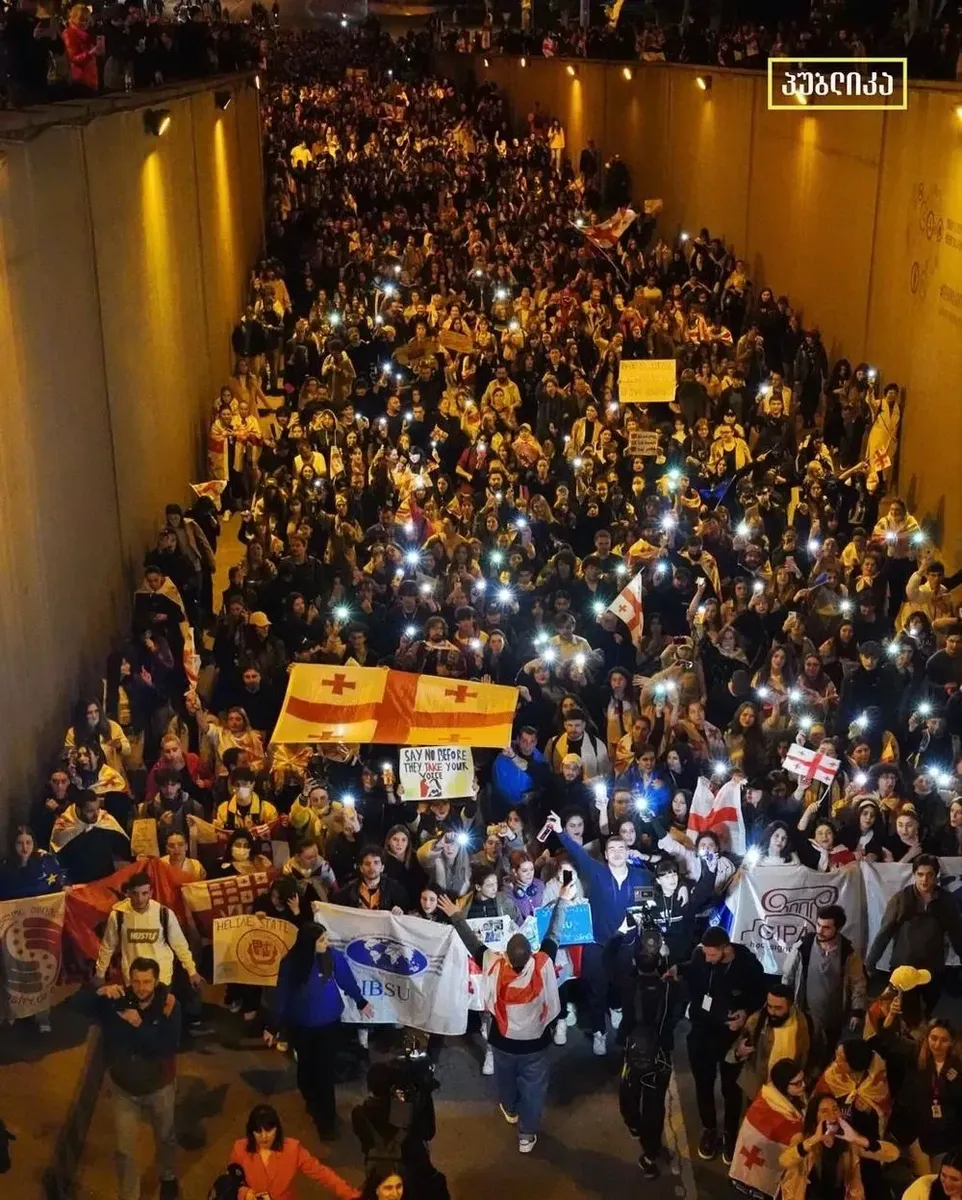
460 343
414 972
493 931
248 949
31 941
646 381
327 703
774 906
881 881
436 772
576 929
143 838
643 443
229 897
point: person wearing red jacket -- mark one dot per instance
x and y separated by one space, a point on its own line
82 48
271 1162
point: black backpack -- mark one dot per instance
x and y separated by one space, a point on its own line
228 1185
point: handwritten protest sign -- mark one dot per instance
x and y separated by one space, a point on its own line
646 381
643 442
249 948
143 838
436 772
461 343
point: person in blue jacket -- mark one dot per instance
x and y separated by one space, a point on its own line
310 981
613 887
519 775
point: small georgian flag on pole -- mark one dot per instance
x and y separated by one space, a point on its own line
810 764
627 606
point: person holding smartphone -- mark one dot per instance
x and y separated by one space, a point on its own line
824 1161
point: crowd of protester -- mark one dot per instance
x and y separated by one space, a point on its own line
744 36
50 53
428 464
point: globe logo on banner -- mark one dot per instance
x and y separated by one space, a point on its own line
387 954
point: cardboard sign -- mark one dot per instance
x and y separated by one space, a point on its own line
647 381
249 948
576 929
436 772
143 838
460 343
414 350
493 931
643 442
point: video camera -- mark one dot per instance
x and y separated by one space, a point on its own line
644 904
407 1083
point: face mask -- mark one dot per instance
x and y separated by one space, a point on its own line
240 853
243 793
93 722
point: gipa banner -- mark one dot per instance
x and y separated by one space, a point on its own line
414 972
775 906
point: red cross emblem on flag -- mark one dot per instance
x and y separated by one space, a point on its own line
810 764
753 1157
339 685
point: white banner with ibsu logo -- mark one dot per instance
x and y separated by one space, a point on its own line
774 906
414 972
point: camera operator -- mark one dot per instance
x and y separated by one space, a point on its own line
650 1014
396 1122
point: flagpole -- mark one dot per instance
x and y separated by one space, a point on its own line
614 266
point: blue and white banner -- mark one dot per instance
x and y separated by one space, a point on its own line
575 928
414 972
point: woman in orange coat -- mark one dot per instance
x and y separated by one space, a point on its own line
272 1162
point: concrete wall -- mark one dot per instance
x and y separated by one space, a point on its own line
123 263
856 215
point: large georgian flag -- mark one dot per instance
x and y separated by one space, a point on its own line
372 704
768 1128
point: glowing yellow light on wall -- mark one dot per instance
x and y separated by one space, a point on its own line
570 69
703 82
626 71
524 62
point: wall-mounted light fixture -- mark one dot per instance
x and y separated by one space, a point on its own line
157 121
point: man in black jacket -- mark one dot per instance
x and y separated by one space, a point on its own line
725 984
373 890
916 921
141 1031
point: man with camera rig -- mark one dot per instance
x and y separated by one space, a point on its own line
396 1122
520 992
651 1010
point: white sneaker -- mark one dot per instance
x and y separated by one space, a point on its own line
598 1045
614 1015
571 1016
362 1038
527 1142
487 1067
560 1033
